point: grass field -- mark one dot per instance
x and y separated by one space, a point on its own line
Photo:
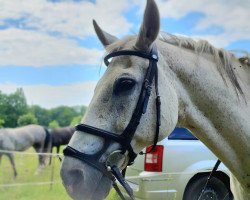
28 186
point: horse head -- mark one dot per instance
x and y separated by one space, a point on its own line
112 115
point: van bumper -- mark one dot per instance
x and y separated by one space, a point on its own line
152 188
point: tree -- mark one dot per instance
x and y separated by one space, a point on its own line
53 124
26 119
76 120
15 111
1 123
43 115
12 106
3 100
63 115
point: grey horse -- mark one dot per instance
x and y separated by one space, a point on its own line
22 138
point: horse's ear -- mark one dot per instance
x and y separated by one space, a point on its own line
105 38
150 26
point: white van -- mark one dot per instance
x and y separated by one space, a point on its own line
177 170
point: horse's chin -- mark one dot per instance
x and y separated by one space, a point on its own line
83 182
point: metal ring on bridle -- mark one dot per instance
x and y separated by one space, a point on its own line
118 159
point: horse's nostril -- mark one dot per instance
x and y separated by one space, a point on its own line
74 178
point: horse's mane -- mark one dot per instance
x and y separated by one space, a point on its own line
203 46
224 59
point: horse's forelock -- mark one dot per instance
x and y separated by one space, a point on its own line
121 44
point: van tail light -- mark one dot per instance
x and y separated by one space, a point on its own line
153 160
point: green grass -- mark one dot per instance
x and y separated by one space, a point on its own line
26 166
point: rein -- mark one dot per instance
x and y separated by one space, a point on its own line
111 168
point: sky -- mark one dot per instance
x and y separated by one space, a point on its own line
49 48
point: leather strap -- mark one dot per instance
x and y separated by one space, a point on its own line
131 53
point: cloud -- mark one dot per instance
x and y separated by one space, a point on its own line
68 18
51 96
40 33
232 16
27 48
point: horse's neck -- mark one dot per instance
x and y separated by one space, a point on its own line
236 188
243 73
211 109
199 73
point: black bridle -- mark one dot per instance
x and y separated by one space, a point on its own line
110 169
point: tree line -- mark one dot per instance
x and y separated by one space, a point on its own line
14 112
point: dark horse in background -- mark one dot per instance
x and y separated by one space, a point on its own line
22 138
60 136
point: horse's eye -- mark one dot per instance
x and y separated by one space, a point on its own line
123 85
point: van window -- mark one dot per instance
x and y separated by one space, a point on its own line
181 134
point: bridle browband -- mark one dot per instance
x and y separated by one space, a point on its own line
124 139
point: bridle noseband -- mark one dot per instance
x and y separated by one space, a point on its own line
111 170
